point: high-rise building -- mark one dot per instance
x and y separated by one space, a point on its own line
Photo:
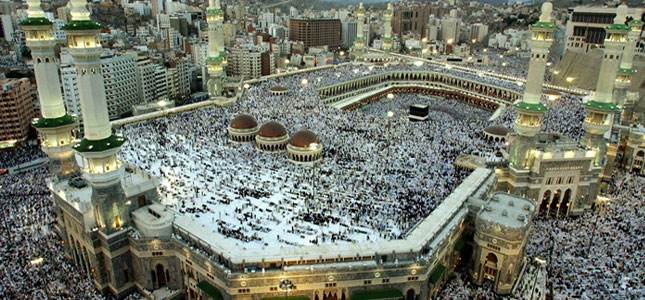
178 74
17 109
316 32
146 79
585 28
478 32
161 83
122 90
121 87
413 18
450 30
349 33
6 28
251 62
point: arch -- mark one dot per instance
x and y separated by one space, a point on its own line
161 275
553 207
491 257
564 205
410 295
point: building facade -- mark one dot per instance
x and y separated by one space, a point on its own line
585 27
316 32
17 109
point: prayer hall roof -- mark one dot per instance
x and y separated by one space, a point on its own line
272 129
244 121
304 138
496 130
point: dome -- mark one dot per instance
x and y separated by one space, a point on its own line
272 129
244 121
303 139
496 130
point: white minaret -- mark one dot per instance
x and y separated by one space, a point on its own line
387 34
530 110
56 126
216 52
600 109
625 71
359 42
102 166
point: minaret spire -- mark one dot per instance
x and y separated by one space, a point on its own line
56 126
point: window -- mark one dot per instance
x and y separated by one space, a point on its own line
366 282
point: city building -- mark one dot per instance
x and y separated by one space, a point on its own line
585 27
348 35
450 30
250 62
316 32
17 109
413 17
122 89
178 78
478 33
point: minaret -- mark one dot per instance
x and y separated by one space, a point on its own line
56 126
530 110
216 52
387 34
359 42
600 108
102 166
625 71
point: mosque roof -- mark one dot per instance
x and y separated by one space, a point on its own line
244 121
304 138
272 129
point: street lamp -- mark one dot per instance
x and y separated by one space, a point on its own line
246 86
390 96
305 81
286 285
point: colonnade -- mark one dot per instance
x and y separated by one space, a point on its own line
484 89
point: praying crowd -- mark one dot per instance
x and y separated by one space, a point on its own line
33 264
379 176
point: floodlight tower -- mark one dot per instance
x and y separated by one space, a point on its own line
56 126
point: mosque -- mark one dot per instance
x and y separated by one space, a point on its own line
116 230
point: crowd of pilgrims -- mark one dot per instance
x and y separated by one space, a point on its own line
375 173
598 255
20 154
611 269
27 234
